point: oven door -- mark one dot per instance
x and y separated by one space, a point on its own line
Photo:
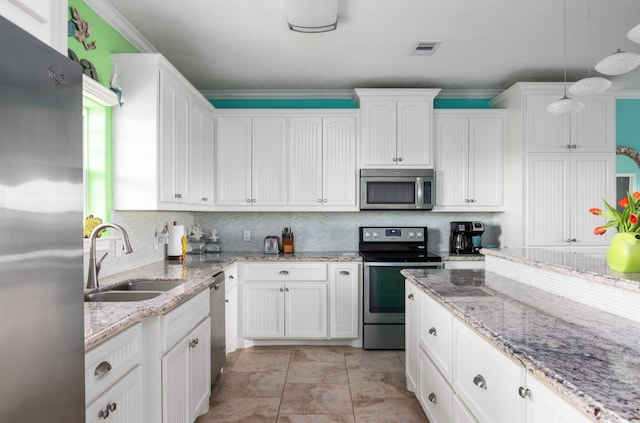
384 290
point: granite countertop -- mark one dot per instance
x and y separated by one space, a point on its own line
103 320
590 357
447 256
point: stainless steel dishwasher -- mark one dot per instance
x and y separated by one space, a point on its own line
218 342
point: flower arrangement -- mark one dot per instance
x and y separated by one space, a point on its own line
627 221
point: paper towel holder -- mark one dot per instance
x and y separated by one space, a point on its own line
175 244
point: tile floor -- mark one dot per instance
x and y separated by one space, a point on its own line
307 384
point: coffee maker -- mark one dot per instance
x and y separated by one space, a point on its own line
465 237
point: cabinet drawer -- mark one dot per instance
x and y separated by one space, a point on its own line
121 403
284 272
179 322
112 359
436 334
435 395
485 379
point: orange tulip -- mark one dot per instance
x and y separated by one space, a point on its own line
599 230
633 219
636 195
624 202
595 211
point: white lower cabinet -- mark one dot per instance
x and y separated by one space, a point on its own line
113 380
344 300
462 378
186 366
231 309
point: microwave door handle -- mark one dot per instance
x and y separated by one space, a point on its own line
419 193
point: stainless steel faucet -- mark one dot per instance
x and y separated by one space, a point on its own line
94 268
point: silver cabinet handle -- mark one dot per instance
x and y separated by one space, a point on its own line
102 369
253 200
480 382
286 289
324 200
567 146
433 332
226 300
432 397
205 199
410 296
574 146
344 273
281 289
395 159
231 277
319 200
472 200
524 392
194 342
284 272
248 200
399 159
177 195
570 240
103 414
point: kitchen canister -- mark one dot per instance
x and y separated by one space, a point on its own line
174 248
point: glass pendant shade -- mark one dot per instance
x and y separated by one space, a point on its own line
618 63
634 34
593 85
564 106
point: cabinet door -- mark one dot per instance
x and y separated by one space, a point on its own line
411 334
305 161
176 403
344 300
545 406
435 334
262 310
201 152
485 379
452 170
200 368
174 136
233 161
486 162
231 319
339 175
592 179
547 208
123 401
545 133
44 19
306 310
434 394
414 146
268 155
593 129
379 133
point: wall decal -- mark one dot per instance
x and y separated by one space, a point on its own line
80 29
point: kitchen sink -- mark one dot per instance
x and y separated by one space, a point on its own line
147 285
120 296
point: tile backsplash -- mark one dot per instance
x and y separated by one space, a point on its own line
313 231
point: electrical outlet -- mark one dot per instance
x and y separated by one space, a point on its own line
246 235
119 248
155 241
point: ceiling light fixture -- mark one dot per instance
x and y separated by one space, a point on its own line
565 105
591 85
312 16
634 34
620 62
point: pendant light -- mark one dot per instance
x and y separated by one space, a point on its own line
634 34
620 62
565 105
591 85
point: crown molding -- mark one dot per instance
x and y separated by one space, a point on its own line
276 94
469 93
120 24
97 92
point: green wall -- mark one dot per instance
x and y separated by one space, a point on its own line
628 134
107 39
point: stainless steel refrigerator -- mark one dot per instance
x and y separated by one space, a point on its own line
41 252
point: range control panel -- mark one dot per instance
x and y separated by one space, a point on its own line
393 234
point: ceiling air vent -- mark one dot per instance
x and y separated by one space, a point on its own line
425 48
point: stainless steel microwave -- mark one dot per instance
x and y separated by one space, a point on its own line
397 189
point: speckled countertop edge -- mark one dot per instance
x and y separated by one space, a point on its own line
104 320
591 268
572 393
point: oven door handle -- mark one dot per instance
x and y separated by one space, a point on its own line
429 264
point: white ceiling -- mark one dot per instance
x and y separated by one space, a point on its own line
486 44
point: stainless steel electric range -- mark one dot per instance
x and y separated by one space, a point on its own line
386 251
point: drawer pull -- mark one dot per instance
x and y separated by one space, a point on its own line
410 296
111 407
524 392
231 277
193 343
480 382
432 397
284 272
344 273
102 369
433 332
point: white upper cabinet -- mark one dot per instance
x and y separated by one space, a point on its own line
322 162
591 130
470 151
44 19
250 161
396 127
201 183
163 125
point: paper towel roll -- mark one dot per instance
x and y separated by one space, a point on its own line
174 248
